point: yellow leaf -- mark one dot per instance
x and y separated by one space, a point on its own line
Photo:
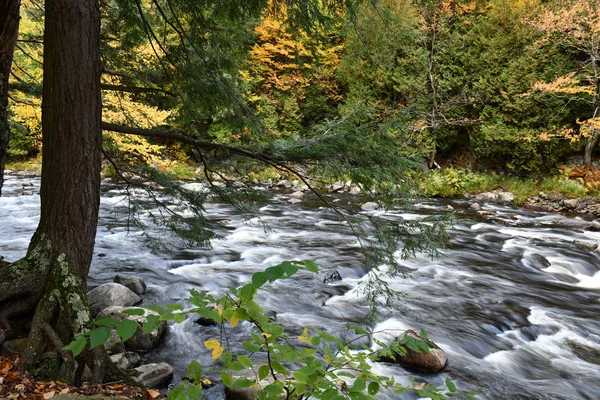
219 310
234 320
304 337
153 393
205 381
216 348
49 395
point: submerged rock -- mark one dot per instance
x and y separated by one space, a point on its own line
331 275
140 340
434 360
475 206
133 283
111 294
153 375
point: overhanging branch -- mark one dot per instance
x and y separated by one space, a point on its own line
134 89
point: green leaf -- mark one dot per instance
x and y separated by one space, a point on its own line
226 378
276 365
106 321
179 318
195 370
259 279
301 377
77 345
157 309
450 385
247 291
177 393
134 311
288 268
423 334
245 360
359 330
373 388
126 329
174 307
311 266
151 323
99 336
274 273
263 372
244 383
250 346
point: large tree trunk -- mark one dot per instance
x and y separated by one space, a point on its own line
61 249
9 30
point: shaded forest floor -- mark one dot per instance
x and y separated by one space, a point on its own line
16 384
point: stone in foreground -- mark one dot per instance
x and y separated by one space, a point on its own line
152 375
433 361
111 294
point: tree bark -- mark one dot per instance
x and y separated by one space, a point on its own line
590 143
61 249
9 30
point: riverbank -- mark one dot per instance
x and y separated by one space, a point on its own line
575 191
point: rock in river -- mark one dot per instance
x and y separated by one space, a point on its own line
133 283
111 294
433 361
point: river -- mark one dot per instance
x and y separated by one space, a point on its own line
515 301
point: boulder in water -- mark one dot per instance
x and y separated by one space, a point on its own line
111 294
370 206
475 207
331 275
133 283
140 340
432 361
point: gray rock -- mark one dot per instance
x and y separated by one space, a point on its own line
370 206
294 201
336 187
433 361
475 206
571 203
114 345
297 195
139 341
354 190
111 294
126 360
152 375
135 284
585 245
496 197
449 208
331 275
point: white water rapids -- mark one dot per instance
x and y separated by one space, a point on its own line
515 302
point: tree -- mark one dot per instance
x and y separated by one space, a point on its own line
9 29
52 277
575 26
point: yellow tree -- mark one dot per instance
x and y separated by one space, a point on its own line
575 25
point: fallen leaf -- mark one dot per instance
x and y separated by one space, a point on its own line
49 395
153 393
64 391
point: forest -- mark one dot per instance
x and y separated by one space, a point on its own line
366 115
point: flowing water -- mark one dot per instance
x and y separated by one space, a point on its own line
515 302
